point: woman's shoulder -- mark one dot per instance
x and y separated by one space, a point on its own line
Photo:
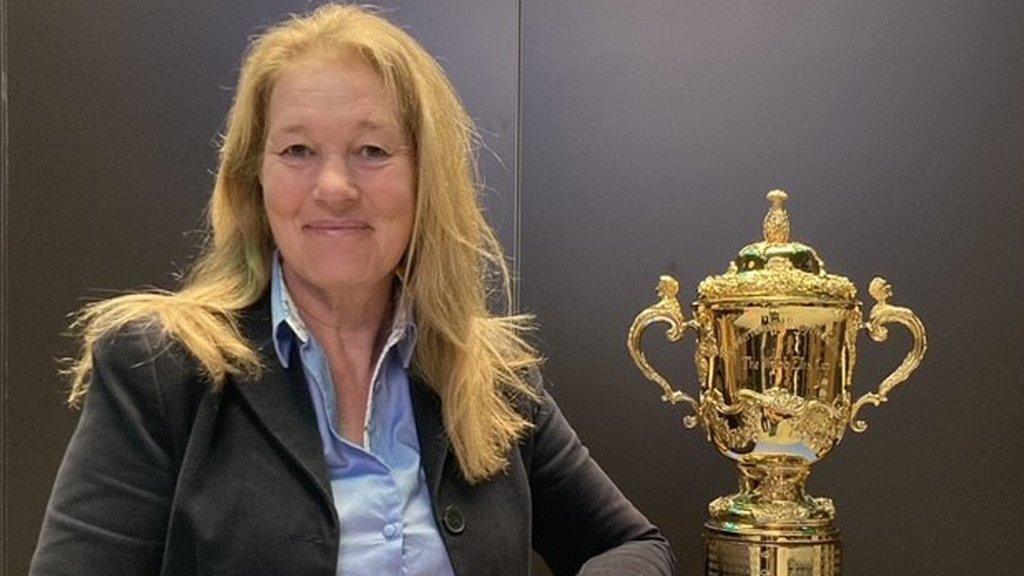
185 349
143 362
141 346
533 397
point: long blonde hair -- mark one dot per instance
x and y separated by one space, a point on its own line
478 362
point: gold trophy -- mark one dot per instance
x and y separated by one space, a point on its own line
776 348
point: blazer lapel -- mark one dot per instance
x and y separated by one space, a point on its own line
281 402
426 406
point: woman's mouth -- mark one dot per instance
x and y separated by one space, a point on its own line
337 226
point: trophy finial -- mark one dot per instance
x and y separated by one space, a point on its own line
776 222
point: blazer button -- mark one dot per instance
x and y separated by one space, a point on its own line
453 520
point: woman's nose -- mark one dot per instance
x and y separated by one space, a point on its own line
335 182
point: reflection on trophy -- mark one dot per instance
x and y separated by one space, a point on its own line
776 349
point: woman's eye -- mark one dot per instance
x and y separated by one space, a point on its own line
371 152
297 151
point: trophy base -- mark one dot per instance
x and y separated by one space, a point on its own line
772 553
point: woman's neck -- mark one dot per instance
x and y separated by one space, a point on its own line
350 328
355 318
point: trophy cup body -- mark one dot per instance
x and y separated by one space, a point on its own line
776 350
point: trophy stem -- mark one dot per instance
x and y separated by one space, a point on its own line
772 496
771 527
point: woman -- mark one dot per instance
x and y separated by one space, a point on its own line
328 393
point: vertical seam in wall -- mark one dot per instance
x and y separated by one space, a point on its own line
517 233
4 193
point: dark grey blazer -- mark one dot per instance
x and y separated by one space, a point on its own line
164 476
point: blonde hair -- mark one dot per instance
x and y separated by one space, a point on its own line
477 362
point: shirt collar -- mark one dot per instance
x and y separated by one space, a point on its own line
287 326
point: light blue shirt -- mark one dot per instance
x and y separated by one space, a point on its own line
380 491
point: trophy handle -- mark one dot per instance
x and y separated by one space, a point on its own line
669 311
883 313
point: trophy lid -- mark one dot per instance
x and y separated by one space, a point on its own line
777 269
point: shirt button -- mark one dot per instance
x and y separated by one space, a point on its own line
390 531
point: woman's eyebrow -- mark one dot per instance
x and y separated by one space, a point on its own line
364 125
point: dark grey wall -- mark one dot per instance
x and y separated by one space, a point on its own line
115 108
652 131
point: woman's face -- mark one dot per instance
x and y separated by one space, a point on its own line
338 176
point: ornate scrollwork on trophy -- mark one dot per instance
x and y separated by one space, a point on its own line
707 345
734 427
883 313
784 279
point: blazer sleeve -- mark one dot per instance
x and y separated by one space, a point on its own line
109 507
582 523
